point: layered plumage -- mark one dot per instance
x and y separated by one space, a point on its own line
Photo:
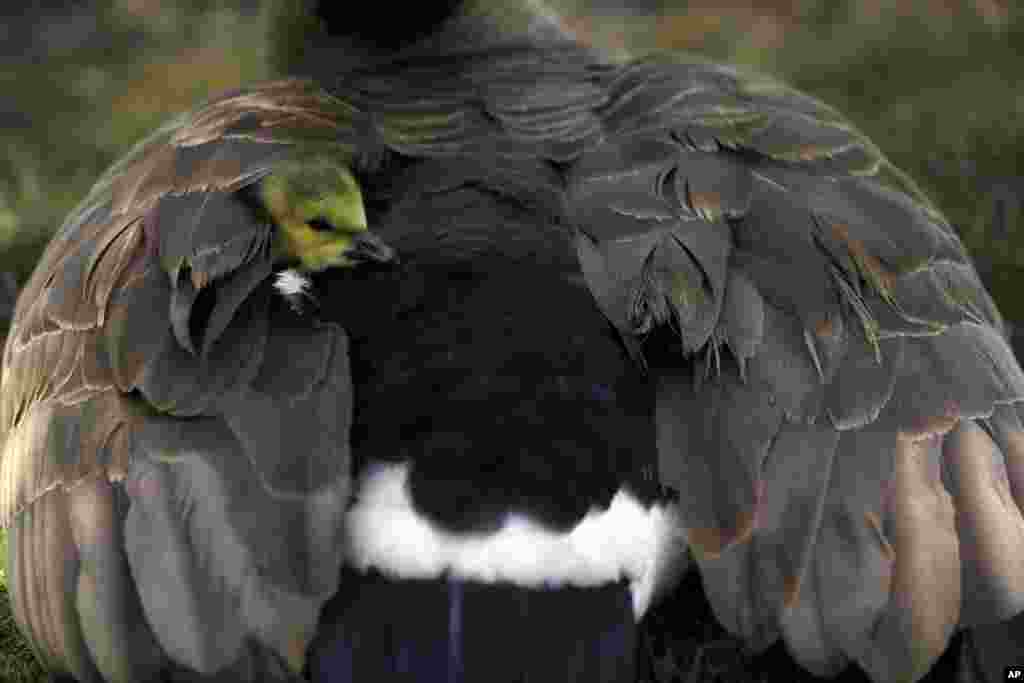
612 279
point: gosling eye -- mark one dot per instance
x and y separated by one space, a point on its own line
320 224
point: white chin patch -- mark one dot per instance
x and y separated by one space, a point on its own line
647 546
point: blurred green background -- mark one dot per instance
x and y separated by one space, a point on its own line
937 84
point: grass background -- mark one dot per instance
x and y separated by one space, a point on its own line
935 83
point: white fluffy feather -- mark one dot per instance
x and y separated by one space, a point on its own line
292 283
646 546
295 288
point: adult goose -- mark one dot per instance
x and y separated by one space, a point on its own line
433 362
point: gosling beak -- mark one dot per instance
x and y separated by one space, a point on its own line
368 248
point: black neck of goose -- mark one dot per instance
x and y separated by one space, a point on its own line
386 25
326 38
